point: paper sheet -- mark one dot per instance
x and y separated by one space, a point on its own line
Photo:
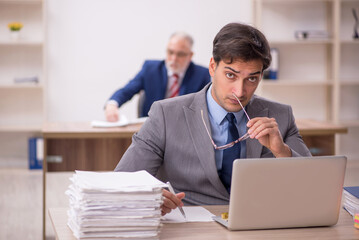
123 122
114 181
193 214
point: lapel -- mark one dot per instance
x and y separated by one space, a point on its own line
255 109
201 140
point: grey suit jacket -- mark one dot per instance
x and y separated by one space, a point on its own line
174 146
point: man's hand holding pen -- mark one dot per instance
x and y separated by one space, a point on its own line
171 201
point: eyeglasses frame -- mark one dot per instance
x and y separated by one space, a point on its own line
231 144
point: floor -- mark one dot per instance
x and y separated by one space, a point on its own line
21 199
21 202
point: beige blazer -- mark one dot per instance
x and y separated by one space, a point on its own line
174 146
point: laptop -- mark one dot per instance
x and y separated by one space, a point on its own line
293 192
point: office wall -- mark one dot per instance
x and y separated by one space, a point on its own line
96 46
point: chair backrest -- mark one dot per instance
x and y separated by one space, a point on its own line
141 100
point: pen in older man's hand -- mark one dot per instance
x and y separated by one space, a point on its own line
172 191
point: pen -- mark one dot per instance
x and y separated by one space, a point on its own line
172 191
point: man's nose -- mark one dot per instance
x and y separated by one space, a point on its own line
239 89
175 57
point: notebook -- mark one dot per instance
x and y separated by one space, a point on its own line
351 199
285 192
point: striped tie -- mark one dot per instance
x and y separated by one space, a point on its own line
174 89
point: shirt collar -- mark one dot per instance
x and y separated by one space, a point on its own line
180 74
170 73
217 112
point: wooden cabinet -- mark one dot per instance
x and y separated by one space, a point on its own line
21 58
317 76
347 91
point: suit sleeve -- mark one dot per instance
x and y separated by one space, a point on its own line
131 88
147 149
293 139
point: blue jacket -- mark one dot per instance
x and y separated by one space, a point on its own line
153 80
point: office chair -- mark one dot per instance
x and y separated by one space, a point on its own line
141 100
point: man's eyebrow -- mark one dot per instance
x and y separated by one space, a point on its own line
232 69
251 74
255 73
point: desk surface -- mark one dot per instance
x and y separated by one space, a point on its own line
85 130
313 127
344 229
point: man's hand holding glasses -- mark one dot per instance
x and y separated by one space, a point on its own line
264 129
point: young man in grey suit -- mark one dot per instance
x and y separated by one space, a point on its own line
188 140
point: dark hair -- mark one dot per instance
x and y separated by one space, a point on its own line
237 41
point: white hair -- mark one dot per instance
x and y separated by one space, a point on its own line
183 35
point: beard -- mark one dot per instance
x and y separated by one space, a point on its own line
175 67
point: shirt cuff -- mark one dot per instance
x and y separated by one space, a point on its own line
112 102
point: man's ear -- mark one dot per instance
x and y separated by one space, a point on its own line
212 67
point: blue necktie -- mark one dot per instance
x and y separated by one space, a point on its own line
230 154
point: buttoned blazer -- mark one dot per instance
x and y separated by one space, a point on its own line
153 80
174 146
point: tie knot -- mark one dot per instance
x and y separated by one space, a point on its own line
175 76
230 117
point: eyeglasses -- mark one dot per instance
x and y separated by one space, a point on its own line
231 144
178 54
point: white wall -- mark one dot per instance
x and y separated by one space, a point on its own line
96 46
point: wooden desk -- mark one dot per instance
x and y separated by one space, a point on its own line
79 146
344 229
82 147
319 136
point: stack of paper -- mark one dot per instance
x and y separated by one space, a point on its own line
351 199
115 205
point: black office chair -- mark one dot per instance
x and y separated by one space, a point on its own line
141 100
